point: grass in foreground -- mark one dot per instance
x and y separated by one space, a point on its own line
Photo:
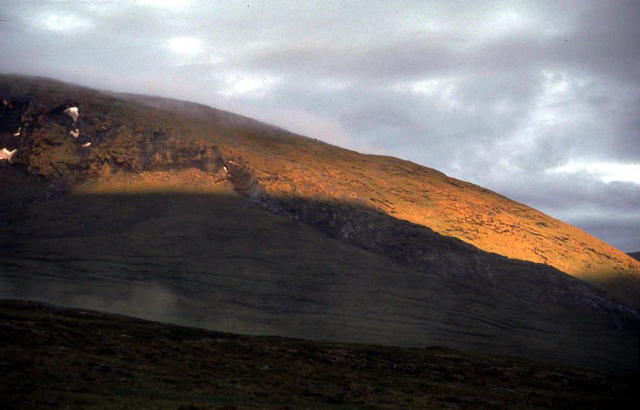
69 358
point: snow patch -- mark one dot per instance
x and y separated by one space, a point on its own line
5 154
17 133
86 144
72 112
75 133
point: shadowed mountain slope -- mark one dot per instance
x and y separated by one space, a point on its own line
129 132
180 212
183 246
427 197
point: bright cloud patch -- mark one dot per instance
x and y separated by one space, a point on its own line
63 22
248 84
502 22
554 102
165 4
559 109
444 90
330 84
186 46
434 87
605 171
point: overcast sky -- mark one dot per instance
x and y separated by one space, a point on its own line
539 101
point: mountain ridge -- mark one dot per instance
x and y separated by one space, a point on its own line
255 167
242 226
596 259
272 166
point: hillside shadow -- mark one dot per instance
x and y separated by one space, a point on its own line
318 270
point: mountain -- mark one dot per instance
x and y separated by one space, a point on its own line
53 357
180 212
635 255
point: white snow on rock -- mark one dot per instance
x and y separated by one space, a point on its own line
86 144
75 133
72 112
5 154
17 133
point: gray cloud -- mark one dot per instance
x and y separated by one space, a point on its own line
497 93
608 211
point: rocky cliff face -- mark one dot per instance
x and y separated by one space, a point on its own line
418 216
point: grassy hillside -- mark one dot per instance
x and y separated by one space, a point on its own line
53 357
136 133
183 213
287 166
183 246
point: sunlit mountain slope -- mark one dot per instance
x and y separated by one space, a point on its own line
181 212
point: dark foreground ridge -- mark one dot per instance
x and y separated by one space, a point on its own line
53 357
